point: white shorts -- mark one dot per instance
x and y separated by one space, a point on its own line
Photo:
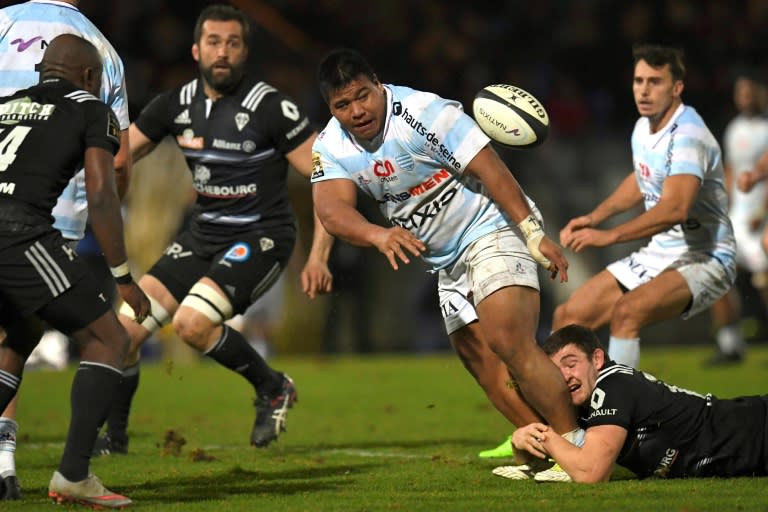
749 248
707 278
491 262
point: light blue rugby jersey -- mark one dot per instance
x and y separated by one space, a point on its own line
416 173
744 142
686 146
25 31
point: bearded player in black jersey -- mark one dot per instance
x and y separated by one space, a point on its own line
637 421
239 136
47 133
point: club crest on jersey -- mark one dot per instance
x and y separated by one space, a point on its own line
241 119
238 252
202 174
266 244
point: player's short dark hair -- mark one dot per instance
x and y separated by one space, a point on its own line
222 12
658 56
584 338
339 67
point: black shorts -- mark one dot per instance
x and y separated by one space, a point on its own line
738 437
41 274
244 268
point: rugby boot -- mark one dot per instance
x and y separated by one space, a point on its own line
271 413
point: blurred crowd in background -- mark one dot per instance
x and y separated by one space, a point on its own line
575 56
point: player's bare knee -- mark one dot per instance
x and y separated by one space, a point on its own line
193 328
626 317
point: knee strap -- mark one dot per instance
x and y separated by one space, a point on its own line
209 302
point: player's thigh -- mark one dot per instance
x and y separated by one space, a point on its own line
477 357
103 340
663 297
510 315
496 265
250 267
591 304
42 275
180 266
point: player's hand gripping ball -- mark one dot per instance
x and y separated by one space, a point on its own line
511 116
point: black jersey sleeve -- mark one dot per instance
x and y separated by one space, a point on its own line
287 125
614 398
153 120
102 127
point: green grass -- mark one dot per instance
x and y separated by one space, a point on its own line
368 434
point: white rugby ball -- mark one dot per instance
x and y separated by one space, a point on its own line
511 116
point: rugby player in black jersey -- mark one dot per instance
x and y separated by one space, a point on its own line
637 421
238 135
47 133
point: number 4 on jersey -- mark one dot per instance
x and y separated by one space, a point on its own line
9 145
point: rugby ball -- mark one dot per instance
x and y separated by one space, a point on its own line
511 116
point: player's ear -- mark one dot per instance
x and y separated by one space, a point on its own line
196 52
677 88
91 79
598 358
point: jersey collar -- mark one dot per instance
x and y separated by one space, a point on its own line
54 2
654 138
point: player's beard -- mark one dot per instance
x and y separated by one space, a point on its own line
223 83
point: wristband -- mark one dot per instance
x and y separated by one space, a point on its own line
531 228
534 233
121 273
124 279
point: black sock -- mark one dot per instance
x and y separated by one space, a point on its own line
9 384
93 390
117 421
233 351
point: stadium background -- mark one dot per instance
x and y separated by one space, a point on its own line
574 56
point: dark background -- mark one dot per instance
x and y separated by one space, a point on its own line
575 56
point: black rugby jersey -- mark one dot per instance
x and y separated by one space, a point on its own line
235 147
674 432
44 132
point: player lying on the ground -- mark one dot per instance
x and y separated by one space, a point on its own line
639 422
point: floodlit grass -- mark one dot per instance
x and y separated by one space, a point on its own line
368 434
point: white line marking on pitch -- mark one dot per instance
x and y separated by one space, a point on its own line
331 451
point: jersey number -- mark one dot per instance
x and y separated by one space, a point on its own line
9 145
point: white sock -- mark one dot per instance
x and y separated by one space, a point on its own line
8 429
624 350
575 437
730 340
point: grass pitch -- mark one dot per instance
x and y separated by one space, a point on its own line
368 434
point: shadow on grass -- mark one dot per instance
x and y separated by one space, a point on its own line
237 481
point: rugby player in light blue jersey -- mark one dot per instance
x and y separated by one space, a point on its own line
690 261
453 202
26 29
744 143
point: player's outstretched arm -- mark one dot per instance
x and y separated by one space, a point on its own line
578 233
592 462
123 165
677 196
107 223
316 277
504 189
140 144
335 203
